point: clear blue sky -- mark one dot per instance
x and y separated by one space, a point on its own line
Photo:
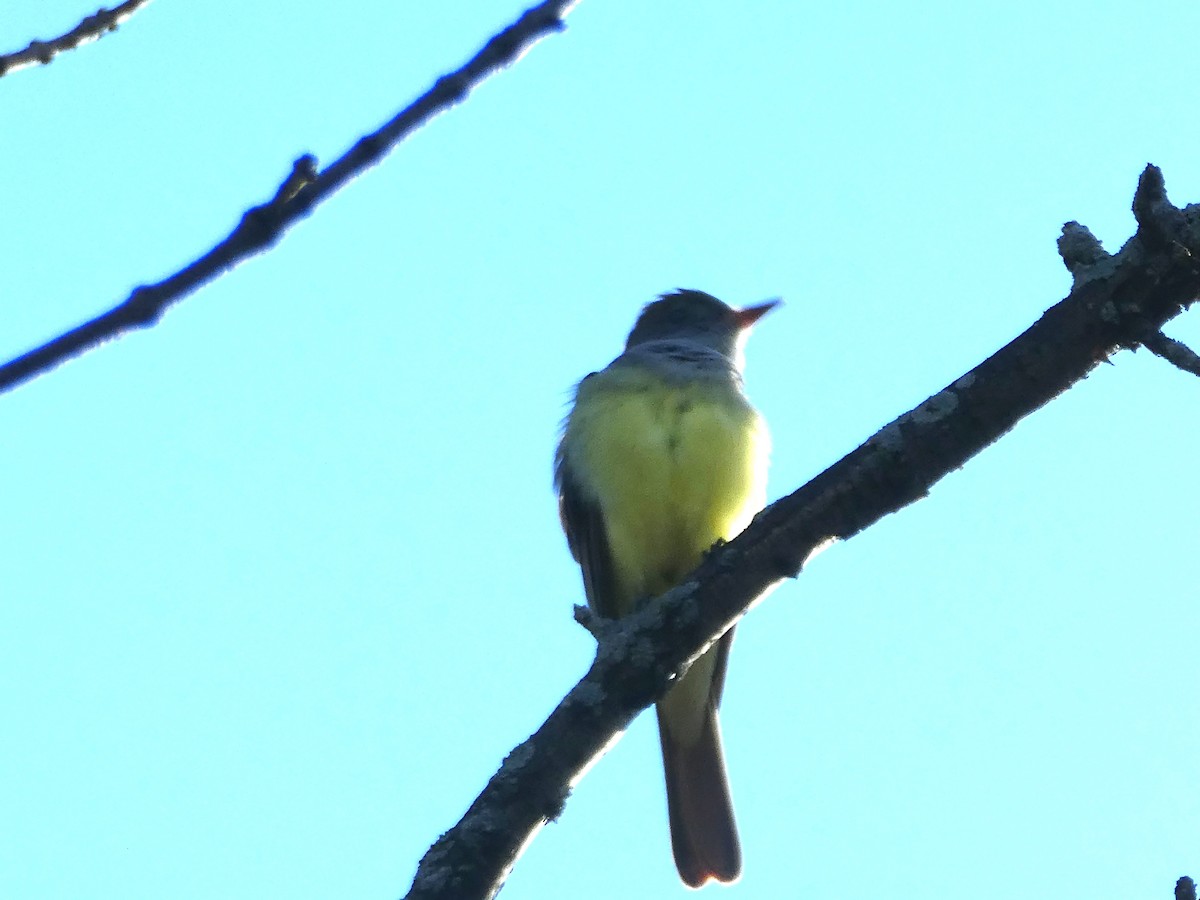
282 579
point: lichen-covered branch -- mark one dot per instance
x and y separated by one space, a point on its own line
90 29
1114 302
306 187
1175 352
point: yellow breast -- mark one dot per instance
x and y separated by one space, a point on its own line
673 466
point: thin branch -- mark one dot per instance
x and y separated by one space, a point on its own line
262 226
90 29
1175 352
1150 281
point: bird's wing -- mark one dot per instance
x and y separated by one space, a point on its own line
583 521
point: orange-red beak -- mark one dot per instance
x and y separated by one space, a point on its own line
751 314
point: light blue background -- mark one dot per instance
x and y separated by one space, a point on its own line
281 580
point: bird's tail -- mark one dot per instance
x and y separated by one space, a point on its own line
703 834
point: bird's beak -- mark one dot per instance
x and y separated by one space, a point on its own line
751 314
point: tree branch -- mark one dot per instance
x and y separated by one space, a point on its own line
90 29
262 226
1175 352
1113 302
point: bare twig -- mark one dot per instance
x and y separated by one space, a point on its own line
90 29
1154 276
262 226
1175 352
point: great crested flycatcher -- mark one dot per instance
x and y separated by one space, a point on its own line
661 456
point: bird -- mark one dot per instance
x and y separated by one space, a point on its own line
661 457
